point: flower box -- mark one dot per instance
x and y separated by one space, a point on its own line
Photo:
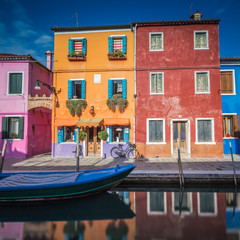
76 58
115 57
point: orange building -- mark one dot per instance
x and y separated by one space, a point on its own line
93 66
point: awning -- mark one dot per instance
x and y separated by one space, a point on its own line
65 122
90 122
116 121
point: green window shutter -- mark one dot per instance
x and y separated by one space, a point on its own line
21 127
4 128
15 83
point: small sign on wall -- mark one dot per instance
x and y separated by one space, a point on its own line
97 78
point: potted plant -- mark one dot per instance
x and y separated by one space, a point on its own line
117 101
82 135
77 57
117 55
103 135
14 135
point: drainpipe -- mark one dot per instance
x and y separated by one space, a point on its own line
135 84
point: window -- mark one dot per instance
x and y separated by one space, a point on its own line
230 125
76 89
15 83
200 40
186 205
156 42
202 84
118 133
77 46
156 202
67 134
207 203
205 130
227 82
12 127
156 83
117 43
155 131
117 86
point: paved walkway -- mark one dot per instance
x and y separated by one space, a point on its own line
145 168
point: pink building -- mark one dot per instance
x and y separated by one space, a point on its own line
25 117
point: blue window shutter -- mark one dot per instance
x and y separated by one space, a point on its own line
110 88
110 44
21 128
84 46
83 89
124 86
70 89
60 134
75 134
126 134
70 46
124 44
110 134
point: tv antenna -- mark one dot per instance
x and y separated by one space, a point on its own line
76 18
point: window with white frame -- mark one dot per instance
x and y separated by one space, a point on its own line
117 87
227 82
207 204
156 83
186 202
230 125
156 202
155 131
205 130
12 127
15 83
202 83
156 42
200 40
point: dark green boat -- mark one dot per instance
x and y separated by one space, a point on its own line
47 185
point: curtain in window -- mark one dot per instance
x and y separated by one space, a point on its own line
201 40
156 83
13 127
156 201
206 202
15 83
156 41
204 130
155 131
202 82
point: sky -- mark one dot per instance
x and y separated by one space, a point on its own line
25 25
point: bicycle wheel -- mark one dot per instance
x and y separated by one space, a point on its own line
114 152
133 153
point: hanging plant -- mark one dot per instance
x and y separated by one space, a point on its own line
117 101
76 106
82 135
103 135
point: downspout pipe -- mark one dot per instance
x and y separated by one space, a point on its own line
135 83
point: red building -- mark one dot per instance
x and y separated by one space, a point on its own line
178 88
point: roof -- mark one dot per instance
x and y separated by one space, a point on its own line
15 57
233 59
177 22
90 28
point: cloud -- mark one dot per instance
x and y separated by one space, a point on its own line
23 29
44 40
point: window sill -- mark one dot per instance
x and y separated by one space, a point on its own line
201 48
111 57
205 143
228 94
14 139
67 142
230 137
76 58
156 93
156 143
202 92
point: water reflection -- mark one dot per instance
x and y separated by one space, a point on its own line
159 215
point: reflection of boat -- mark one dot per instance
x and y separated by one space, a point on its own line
98 207
45 185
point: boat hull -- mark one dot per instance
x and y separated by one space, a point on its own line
87 183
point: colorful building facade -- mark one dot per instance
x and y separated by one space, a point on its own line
93 65
25 113
230 80
178 88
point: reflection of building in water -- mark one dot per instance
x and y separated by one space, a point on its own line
11 231
158 212
233 216
100 229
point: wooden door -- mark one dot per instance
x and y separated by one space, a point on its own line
180 132
94 143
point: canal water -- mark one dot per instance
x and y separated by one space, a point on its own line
119 215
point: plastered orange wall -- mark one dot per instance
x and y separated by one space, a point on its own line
97 63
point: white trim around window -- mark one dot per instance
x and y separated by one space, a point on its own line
189 196
195 82
201 31
18 94
213 132
149 212
161 93
155 119
215 206
233 79
155 50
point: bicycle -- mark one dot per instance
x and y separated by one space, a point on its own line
131 152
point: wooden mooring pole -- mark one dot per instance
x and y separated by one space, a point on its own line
3 154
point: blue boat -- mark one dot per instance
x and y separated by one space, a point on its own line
52 185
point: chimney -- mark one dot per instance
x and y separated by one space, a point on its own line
49 59
196 16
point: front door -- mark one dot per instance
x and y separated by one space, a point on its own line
180 132
93 142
